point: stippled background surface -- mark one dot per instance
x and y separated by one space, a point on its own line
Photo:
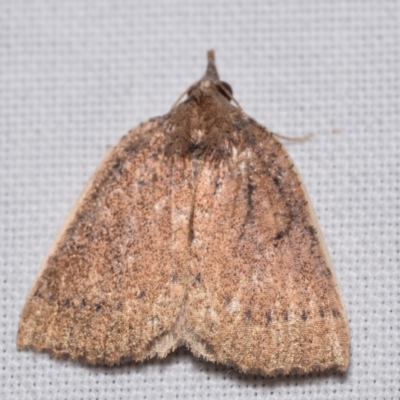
76 75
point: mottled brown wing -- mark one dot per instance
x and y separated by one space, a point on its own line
111 287
263 293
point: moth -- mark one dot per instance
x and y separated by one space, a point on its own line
196 230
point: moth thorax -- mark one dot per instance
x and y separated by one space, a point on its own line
196 136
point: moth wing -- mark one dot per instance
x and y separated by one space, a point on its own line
111 287
263 293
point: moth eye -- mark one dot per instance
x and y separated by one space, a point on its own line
226 87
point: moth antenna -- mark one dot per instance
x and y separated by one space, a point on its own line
294 139
181 97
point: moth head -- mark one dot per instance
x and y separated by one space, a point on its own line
211 78
209 83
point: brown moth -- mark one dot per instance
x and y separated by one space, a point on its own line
195 231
